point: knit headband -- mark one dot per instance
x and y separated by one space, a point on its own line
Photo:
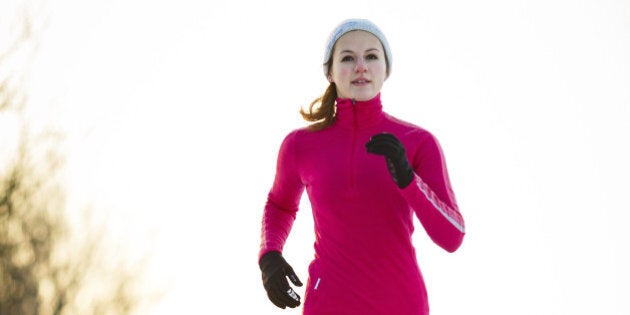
354 25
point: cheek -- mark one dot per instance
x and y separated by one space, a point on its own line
381 67
341 73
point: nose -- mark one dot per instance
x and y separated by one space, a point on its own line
361 65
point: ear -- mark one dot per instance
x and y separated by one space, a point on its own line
330 78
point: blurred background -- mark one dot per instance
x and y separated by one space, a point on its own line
138 142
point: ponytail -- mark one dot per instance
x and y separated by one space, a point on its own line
323 115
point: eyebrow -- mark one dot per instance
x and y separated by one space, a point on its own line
350 51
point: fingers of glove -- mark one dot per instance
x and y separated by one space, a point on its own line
385 144
380 148
385 137
276 301
294 298
392 168
285 298
384 150
292 276
283 293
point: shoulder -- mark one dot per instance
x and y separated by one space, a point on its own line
297 134
418 141
304 134
297 137
407 129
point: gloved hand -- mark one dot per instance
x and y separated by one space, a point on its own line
389 146
274 272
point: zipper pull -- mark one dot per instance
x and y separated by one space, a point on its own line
354 101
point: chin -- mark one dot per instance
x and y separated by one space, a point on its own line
364 96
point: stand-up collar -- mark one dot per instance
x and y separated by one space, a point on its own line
359 114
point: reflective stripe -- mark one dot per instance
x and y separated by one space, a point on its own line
424 188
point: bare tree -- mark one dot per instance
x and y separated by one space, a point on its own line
44 268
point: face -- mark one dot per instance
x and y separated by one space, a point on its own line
358 66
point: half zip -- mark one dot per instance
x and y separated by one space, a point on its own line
354 116
355 131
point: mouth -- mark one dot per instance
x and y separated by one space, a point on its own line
361 81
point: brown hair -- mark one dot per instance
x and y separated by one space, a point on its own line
322 110
323 115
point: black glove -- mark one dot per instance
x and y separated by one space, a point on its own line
274 272
389 146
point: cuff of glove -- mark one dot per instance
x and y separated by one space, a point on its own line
404 181
268 257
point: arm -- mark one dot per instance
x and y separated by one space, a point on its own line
282 201
431 196
425 185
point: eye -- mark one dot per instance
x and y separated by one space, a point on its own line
347 58
371 57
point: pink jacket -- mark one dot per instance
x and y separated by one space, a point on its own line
365 262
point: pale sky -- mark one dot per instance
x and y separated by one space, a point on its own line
174 110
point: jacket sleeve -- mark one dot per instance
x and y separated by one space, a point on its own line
431 196
282 201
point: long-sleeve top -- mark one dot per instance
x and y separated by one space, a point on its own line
364 262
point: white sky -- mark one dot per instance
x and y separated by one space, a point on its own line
174 111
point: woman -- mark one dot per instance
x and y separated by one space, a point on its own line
364 262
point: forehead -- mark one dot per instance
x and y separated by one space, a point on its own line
358 41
